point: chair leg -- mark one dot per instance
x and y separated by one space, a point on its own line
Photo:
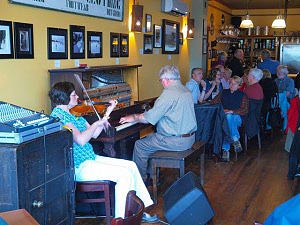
107 205
154 180
202 167
246 142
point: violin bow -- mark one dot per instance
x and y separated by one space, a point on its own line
83 88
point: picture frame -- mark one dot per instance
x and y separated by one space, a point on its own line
124 45
204 24
148 44
23 33
157 36
204 45
6 40
77 42
94 44
170 37
114 45
148 23
181 38
57 43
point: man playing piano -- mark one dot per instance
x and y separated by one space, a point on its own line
174 117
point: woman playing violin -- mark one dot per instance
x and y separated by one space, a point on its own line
88 165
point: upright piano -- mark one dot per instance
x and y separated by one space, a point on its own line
104 83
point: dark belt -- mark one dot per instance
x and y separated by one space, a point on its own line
187 135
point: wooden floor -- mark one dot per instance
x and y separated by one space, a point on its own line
240 191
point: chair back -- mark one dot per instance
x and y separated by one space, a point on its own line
253 119
133 211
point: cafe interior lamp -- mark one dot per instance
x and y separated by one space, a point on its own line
190 28
247 22
279 22
137 18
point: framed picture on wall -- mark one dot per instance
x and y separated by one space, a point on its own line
77 42
23 33
157 36
6 40
94 44
170 37
148 23
204 45
124 45
148 44
57 43
114 44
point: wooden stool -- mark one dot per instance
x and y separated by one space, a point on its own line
176 159
97 186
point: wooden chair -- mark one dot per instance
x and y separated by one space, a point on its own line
133 211
176 159
94 187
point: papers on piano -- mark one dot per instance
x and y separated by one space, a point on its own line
125 125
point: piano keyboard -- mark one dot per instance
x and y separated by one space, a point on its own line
125 125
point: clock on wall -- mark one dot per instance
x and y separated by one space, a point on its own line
212 28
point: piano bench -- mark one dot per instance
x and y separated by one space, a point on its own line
176 159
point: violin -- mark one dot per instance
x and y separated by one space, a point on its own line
86 107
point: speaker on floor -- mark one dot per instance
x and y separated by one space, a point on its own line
186 202
236 21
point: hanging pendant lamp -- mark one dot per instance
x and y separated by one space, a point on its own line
246 23
279 22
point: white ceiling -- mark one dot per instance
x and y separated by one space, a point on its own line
260 4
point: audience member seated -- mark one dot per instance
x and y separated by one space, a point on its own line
293 117
213 84
245 82
270 89
225 79
254 90
193 85
88 165
268 63
236 64
235 104
174 116
286 90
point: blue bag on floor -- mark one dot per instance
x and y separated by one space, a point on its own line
288 213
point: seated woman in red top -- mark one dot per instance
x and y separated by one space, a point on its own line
254 90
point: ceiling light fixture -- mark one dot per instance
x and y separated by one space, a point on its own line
246 23
279 22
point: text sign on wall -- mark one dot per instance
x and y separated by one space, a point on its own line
110 9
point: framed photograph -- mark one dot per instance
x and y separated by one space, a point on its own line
181 38
77 42
114 44
124 45
57 43
94 44
204 45
204 27
170 37
6 40
148 43
148 23
23 40
157 36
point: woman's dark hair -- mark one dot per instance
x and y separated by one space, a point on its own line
60 93
213 73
